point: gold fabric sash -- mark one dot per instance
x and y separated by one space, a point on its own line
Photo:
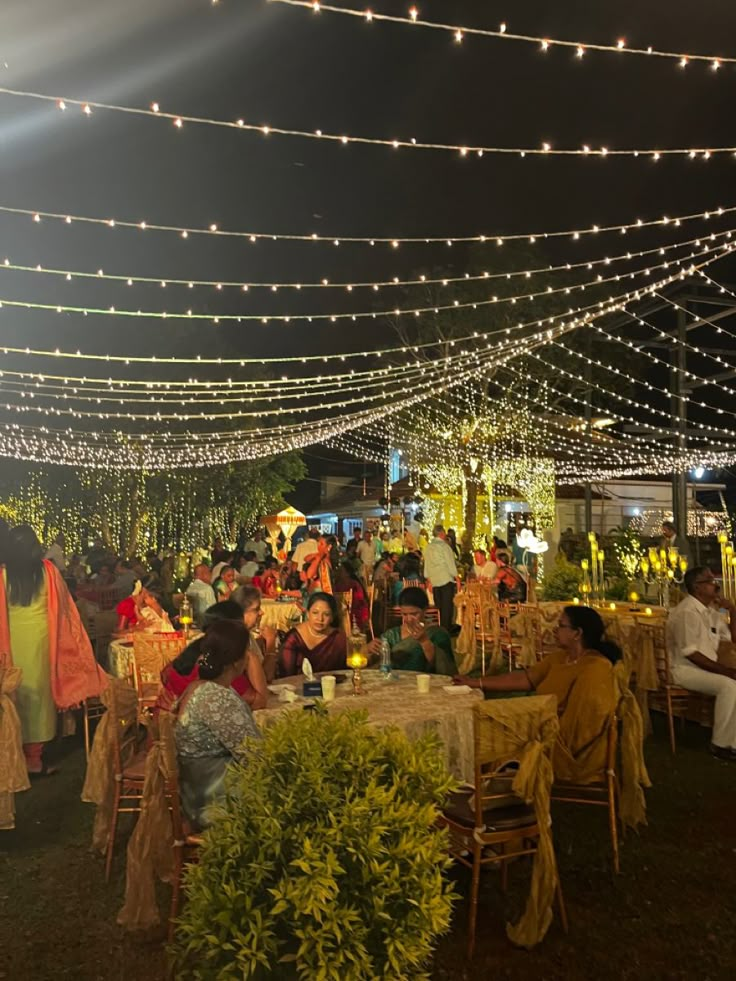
13 772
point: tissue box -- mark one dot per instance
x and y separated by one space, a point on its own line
312 689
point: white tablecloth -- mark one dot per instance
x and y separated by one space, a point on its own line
397 702
280 616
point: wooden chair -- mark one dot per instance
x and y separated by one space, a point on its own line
431 616
669 697
603 792
106 597
129 772
488 824
93 712
186 845
151 654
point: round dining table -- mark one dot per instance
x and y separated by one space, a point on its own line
397 702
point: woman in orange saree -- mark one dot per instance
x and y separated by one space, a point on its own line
41 634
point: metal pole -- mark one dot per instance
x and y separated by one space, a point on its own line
588 428
679 423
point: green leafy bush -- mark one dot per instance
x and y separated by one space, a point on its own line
323 860
563 580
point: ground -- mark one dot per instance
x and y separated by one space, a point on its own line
669 915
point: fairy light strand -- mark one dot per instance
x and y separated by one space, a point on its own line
544 43
221 283
394 241
89 106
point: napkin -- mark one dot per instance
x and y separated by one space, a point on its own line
307 669
457 689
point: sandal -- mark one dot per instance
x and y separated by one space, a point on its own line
45 771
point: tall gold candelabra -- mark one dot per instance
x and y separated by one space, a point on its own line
728 566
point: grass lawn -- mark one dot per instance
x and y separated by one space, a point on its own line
670 914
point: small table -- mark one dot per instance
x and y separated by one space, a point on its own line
397 702
120 657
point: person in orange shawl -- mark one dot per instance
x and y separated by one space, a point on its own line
41 633
317 572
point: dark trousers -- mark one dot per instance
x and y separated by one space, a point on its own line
443 600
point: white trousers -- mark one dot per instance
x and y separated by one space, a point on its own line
695 679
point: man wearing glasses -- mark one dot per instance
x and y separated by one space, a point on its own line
695 628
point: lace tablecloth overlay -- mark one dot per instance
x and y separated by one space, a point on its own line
280 616
120 657
397 702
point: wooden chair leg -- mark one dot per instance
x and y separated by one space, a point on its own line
113 830
561 905
473 912
504 871
86 731
671 723
175 892
612 822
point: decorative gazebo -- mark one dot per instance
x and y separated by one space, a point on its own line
286 521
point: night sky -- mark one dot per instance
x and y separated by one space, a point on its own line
271 64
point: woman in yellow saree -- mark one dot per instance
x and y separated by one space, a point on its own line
581 676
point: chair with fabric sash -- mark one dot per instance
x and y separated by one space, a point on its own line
128 771
603 791
186 844
151 654
506 814
670 698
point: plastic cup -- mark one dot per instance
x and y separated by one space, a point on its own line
328 687
423 684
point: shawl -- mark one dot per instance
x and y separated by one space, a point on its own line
13 773
75 674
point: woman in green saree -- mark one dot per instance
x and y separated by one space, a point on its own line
414 645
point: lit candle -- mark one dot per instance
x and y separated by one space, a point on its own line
644 565
634 596
722 537
683 566
584 565
648 611
576 601
611 606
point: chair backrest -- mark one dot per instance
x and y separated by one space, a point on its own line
151 654
166 722
123 720
106 597
503 731
653 632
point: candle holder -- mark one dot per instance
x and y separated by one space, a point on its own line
185 616
357 661
663 568
593 575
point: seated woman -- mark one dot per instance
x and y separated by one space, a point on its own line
212 721
289 577
319 639
414 646
345 582
225 585
409 568
183 671
509 583
268 581
262 638
142 610
580 674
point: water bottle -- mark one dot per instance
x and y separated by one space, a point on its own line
385 666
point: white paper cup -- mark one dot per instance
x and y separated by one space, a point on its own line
328 687
423 684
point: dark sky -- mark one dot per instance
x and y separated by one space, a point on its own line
272 64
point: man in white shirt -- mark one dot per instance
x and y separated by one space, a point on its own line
304 549
440 570
200 592
56 554
695 628
483 568
248 568
367 555
257 545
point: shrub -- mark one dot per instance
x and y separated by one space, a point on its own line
323 860
563 580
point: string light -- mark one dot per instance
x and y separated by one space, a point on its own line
340 316
325 284
394 241
503 33
164 449
178 119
